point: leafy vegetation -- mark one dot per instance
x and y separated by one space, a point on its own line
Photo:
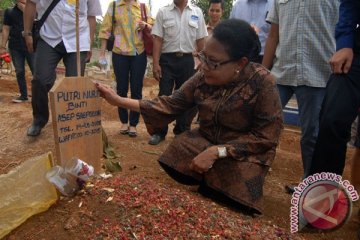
97 42
6 4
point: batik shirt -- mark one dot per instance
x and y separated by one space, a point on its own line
244 115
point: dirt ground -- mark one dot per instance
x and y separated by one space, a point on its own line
66 220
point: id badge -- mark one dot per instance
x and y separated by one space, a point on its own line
194 18
71 2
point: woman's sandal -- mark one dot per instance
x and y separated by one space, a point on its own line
124 131
132 133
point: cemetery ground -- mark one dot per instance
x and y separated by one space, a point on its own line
141 201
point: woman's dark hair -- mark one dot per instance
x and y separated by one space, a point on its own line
238 38
217 1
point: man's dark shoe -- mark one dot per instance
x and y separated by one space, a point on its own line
290 189
156 139
20 99
34 130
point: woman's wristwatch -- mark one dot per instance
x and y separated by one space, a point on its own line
25 34
222 152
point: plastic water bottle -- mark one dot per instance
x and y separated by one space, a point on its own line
102 63
66 183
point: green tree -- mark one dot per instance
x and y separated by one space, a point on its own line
204 5
6 4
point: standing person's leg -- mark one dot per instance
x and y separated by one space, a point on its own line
309 101
70 62
339 110
43 79
168 65
137 72
18 58
285 93
121 66
30 59
168 62
185 70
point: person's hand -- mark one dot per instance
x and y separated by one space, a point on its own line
2 50
341 61
108 94
102 53
157 71
204 161
29 43
142 25
21 5
256 29
197 62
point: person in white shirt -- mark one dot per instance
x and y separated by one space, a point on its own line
179 30
57 42
255 13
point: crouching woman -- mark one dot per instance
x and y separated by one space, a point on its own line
230 153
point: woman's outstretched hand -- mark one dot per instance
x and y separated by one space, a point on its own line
204 161
111 97
108 94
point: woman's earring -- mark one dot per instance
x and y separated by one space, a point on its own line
237 71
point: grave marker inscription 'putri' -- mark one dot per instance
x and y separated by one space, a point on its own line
76 117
